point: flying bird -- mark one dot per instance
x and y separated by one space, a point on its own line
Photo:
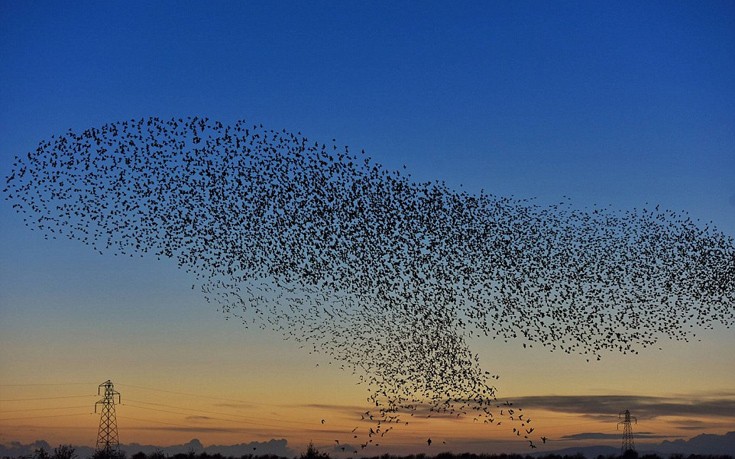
385 276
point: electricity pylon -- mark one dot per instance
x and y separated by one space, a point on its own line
628 444
107 440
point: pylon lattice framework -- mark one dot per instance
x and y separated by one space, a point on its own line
107 439
628 444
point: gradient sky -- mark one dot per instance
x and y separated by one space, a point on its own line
609 103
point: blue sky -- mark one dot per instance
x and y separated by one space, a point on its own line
608 103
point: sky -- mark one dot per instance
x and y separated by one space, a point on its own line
626 104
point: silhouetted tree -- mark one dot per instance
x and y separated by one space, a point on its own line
313 453
108 454
41 453
64 452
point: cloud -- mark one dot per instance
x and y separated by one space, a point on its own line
330 406
605 436
239 406
198 418
642 407
700 427
696 424
277 447
420 411
599 407
198 429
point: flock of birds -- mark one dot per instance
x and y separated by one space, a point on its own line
385 276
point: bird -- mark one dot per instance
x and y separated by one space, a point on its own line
382 275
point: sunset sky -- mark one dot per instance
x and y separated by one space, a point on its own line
627 104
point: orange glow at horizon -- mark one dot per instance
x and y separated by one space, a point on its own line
63 414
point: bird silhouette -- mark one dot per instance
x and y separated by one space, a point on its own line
386 277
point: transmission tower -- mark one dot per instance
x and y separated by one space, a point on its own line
628 444
107 440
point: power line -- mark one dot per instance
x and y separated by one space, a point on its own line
254 422
248 419
158 422
112 424
46 416
43 409
189 394
44 398
78 425
197 395
47 384
186 409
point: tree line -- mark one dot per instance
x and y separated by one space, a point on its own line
69 452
